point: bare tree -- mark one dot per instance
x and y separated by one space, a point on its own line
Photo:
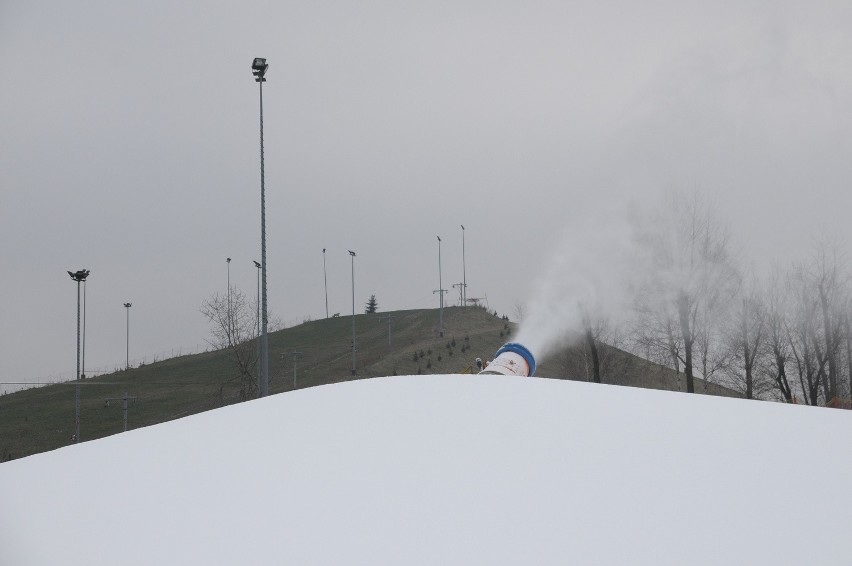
690 277
611 343
815 325
713 349
745 340
802 330
777 352
233 327
824 273
654 334
597 352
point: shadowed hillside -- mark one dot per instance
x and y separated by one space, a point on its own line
41 419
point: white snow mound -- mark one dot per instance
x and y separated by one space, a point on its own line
446 469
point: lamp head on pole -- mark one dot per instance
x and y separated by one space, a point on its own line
79 275
258 69
439 238
128 305
257 264
351 253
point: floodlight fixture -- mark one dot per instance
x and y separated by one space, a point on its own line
258 69
80 275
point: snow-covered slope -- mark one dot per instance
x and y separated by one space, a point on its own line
446 470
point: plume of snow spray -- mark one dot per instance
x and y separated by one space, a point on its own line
659 256
588 277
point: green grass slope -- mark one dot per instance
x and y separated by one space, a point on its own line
41 419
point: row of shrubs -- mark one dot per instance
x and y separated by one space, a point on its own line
416 356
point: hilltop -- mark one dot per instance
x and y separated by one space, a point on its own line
41 419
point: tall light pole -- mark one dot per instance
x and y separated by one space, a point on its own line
127 307
258 69
78 276
230 319
258 266
83 366
440 291
351 253
464 272
325 280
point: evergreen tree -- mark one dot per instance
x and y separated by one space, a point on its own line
372 305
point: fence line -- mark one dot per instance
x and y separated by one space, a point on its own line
68 376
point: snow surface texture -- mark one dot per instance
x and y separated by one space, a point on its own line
446 470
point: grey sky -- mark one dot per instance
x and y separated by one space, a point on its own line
129 146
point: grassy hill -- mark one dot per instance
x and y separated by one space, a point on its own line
40 419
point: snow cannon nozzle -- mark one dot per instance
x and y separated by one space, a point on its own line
511 359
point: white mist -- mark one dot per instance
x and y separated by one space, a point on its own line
588 277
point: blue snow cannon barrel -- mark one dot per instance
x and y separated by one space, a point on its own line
511 359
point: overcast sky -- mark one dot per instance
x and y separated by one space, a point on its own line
129 145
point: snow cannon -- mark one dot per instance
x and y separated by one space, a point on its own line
511 359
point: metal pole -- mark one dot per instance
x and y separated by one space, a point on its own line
325 280
441 291
127 307
388 317
351 253
257 265
83 368
295 357
77 392
257 335
230 329
124 401
264 339
464 272
460 287
79 276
